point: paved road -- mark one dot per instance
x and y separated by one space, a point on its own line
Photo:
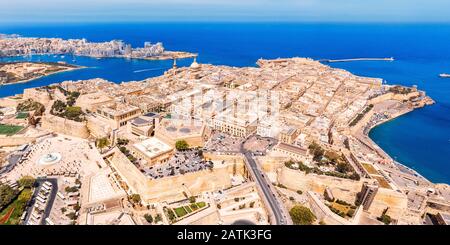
267 188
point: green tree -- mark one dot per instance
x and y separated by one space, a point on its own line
136 198
7 194
71 189
181 145
102 143
26 181
302 215
171 214
355 176
158 218
122 142
24 196
149 218
200 153
73 113
192 199
350 212
58 107
77 207
386 219
317 151
343 167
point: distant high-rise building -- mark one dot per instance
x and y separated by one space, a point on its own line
128 50
367 194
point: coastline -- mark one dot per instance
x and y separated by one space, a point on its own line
166 55
46 75
377 147
171 55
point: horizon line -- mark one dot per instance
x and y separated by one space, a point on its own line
6 23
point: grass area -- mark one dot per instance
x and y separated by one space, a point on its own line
180 211
183 210
16 208
382 181
22 115
370 168
9 129
342 208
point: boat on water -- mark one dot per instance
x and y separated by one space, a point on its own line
444 75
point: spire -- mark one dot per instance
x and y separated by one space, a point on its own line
174 63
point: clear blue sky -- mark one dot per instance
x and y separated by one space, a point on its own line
224 10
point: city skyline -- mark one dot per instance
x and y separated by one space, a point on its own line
255 10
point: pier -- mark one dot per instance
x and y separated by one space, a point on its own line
357 59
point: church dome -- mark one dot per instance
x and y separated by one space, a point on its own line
194 64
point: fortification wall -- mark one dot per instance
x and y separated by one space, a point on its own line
9 102
392 96
36 94
135 180
235 163
195 140
65 126
15 141
344 189
397 203
171 188
97 127
323 213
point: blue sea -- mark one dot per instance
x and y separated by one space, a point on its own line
420 140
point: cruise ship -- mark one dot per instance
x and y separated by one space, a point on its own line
444 75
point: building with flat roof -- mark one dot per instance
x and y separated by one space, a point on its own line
154 151
144 125
292 151
240 125
118 114
288 134
92 101
194 132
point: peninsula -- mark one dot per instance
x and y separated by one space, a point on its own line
14 45
282 143
20 72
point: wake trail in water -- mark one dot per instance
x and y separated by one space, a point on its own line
151 69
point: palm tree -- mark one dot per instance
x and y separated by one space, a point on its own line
102 143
